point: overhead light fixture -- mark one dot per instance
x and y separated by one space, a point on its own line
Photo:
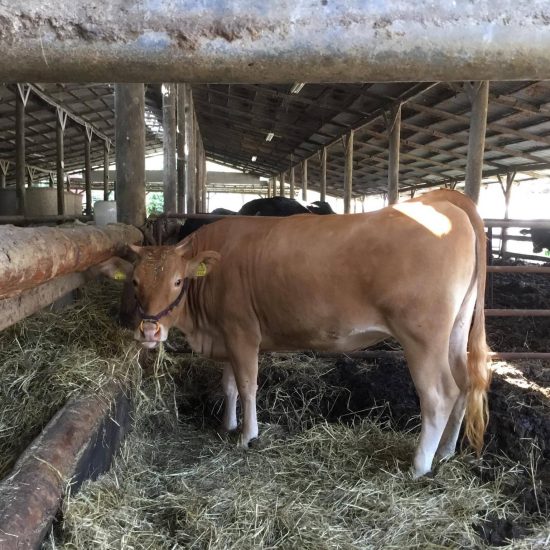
269 136
254 157
297 87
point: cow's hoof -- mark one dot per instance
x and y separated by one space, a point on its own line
425 475
247 442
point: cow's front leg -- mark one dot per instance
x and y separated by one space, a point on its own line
244 361
230 393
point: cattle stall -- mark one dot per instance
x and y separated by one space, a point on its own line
105 444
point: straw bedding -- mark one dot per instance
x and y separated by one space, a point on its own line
177 483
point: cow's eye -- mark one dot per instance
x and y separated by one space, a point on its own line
178 282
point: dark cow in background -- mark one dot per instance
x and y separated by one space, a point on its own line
274 206
191 225
540 238
320 207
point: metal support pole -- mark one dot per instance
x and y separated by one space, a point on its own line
490 276
304 180
130 153
348 176
292 182
198 169
180 147
190 136
106 148
20 101
169 147
510 176
324 174
88 172
60 159
4 166
478 92
394 136
204 178
282 184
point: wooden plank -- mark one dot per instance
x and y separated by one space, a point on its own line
32 256
77 444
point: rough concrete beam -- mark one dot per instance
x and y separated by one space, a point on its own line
285 41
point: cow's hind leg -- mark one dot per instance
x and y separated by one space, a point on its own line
230 392
244 362
437 391
458 361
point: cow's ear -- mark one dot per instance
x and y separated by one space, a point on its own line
202 264
184 247
115 268
135 248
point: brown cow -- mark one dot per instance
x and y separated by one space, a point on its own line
414 271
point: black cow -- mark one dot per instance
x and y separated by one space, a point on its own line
540 238
320 207
274 206
191 225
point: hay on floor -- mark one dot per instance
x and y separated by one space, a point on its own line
177 483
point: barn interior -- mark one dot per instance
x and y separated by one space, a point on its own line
344 425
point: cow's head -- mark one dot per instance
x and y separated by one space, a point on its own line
160 277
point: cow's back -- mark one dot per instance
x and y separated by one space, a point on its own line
303 281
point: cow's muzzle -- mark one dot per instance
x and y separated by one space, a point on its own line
151 333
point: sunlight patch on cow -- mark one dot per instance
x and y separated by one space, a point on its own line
425 215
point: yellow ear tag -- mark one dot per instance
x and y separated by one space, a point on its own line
119 275
201 270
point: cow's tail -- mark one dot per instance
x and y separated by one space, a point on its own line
479 373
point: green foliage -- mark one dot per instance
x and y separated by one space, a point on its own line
155 203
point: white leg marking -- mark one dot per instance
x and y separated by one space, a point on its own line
230 393
447 445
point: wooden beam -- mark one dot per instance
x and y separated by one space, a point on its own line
292 182
282 184
39 254
499 128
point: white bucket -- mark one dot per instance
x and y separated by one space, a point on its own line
105 212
